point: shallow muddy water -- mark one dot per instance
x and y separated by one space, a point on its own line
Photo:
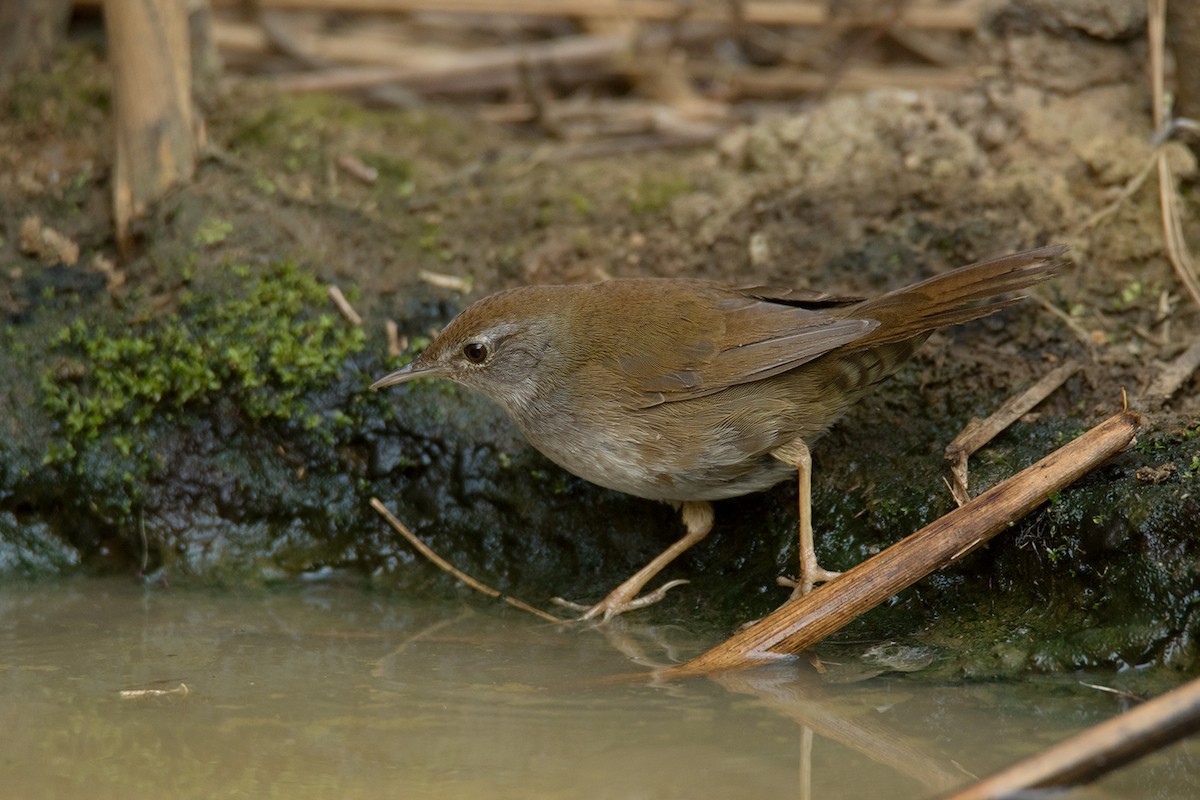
328 691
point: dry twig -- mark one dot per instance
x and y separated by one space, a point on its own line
801 623
395 346
1174 375
979 432
1128 190
1100 749
142 694
443 281
1176 244
765 82
343 305
442 563
1072 324
355 168
488 69
932 14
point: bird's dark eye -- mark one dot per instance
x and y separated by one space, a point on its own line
475 352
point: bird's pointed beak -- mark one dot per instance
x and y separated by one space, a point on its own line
408 372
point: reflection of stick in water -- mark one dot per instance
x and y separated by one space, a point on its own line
806 700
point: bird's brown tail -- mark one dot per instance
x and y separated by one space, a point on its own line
957 296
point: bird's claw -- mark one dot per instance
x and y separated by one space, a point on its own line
807 580
617 602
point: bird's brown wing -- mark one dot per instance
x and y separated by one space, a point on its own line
725 338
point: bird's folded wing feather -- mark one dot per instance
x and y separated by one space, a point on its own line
723 340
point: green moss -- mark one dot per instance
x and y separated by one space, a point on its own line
301 129
260 343
396 176
433 242
71 94
1192 469
654 193
1159 444
296 128
212 230
265 185
581 203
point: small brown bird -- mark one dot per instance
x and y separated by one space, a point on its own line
686 391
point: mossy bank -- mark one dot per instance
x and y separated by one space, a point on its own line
200 413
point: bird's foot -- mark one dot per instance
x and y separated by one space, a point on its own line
809 577
619 600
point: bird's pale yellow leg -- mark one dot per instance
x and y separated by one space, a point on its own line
698 520
797 454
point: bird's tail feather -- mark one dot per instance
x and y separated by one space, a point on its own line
954 297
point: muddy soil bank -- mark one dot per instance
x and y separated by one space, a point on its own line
200 412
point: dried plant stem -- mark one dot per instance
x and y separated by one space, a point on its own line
428 552
1100 749
763 82
979 432
487 69
1072 324
963 15
395 347
801 623
344 307
142 694
1174 374
1177 249
1127 191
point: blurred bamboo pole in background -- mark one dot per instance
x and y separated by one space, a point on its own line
152 104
